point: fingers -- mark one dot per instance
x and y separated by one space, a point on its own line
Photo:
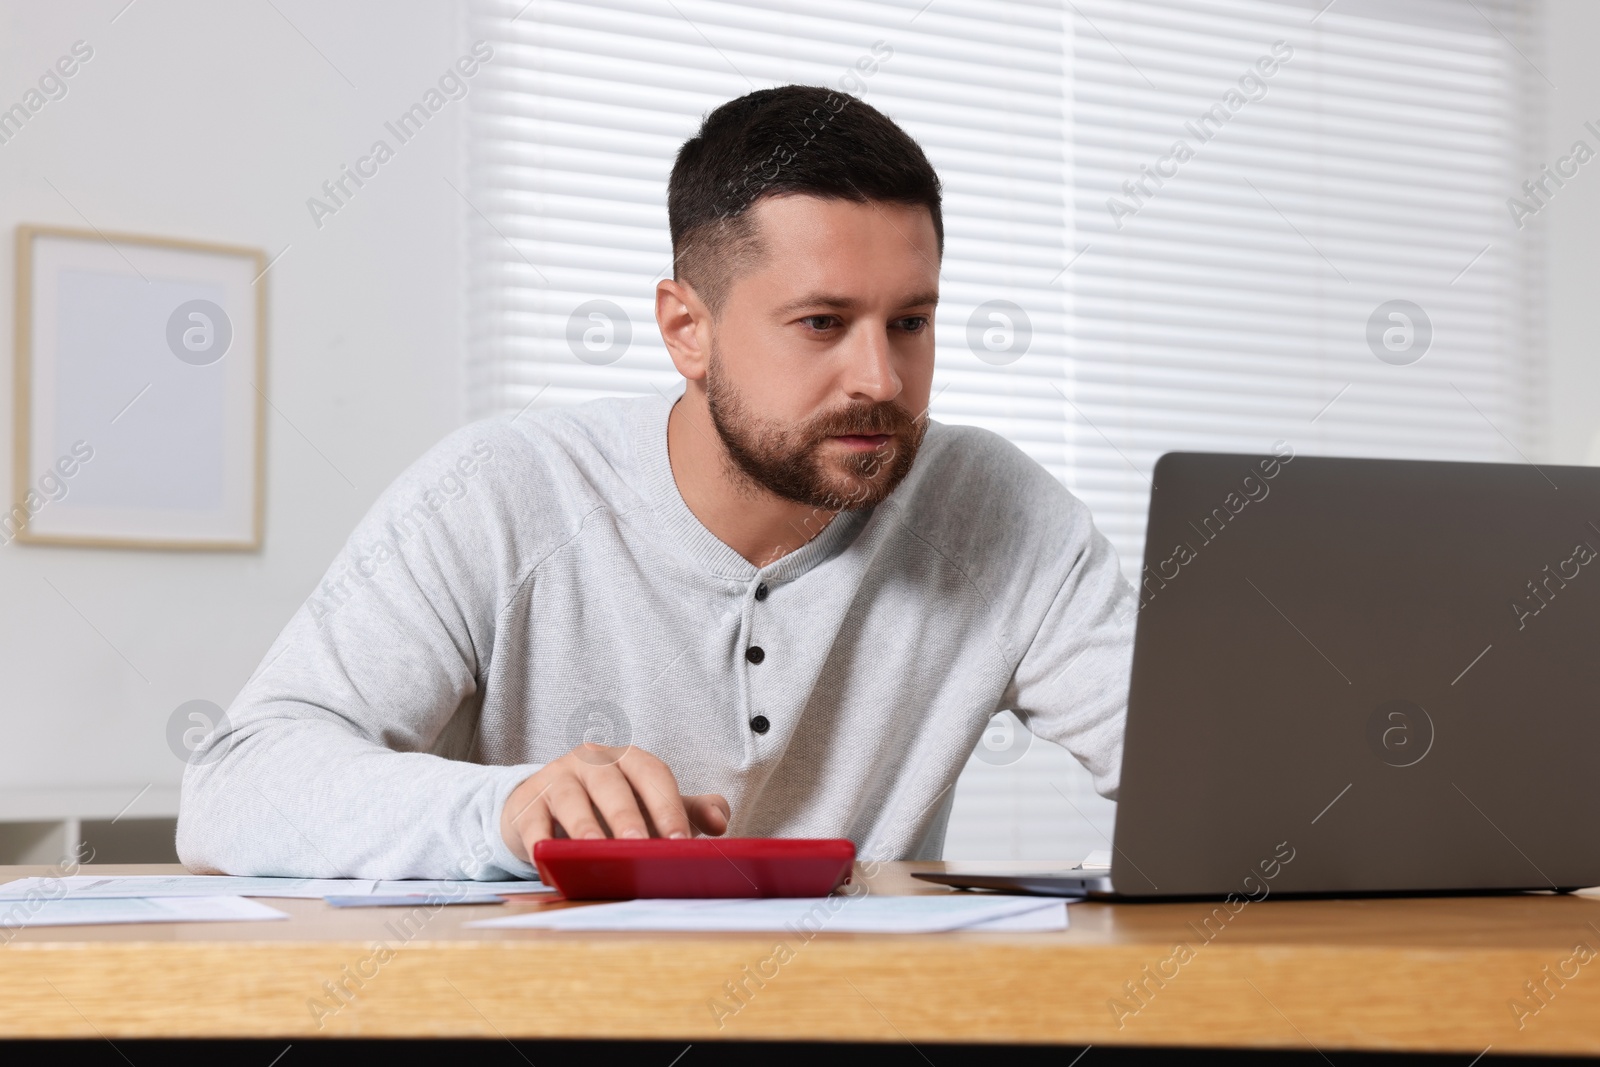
595 791
658 791
536 826
569 805
525 819
612 795
709 813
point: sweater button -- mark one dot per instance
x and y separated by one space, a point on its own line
761 591
760 724
754 654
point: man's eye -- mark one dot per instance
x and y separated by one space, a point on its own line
914 323
818 322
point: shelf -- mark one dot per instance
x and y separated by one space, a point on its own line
32 804
113 824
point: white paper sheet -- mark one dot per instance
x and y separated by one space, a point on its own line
449 888
840 914
94 911
85 886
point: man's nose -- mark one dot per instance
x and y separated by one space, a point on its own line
870 372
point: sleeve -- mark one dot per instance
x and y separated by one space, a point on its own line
1071 684
335 758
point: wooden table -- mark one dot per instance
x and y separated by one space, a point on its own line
1407 974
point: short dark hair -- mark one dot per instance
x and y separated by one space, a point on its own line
793 139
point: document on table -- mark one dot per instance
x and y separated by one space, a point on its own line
85 886
444 887
839 914
94 911
413 900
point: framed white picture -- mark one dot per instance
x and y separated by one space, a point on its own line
140 392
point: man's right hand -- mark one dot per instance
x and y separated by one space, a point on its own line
599 791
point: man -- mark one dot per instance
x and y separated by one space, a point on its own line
786 604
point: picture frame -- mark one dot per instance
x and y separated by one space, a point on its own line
140 396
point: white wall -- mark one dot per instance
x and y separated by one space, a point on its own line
216 122
1572 234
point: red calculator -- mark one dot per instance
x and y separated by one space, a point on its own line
613 869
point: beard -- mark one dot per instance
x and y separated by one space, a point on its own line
797 463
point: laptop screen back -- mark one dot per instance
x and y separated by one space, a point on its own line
1363 676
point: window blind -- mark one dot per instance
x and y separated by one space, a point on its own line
1328 261
573 136
1291 224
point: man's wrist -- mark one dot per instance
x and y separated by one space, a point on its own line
501 854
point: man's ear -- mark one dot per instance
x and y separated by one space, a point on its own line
685 324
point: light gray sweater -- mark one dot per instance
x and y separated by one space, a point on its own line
535 582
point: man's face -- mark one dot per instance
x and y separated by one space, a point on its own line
822 355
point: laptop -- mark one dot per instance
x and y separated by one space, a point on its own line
1354 677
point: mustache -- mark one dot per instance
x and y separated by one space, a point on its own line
866 421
